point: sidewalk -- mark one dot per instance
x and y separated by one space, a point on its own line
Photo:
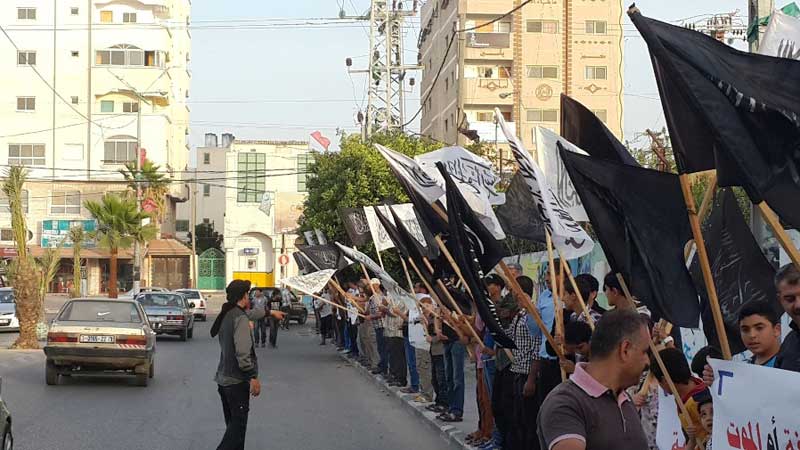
455 433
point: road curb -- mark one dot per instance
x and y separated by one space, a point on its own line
451 434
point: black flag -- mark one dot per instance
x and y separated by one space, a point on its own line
302 264
356 225
471 250
583 128
519 216
740 270
324 256
640 219
734 111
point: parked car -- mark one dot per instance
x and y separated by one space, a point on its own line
291 305
8 310
196 297
5 419
168 313
100 336
132 294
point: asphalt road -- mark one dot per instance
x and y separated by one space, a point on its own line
311 399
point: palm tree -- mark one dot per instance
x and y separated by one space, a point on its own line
24 274
118 225
48 266
77 236
154 184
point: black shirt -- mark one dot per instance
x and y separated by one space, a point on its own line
789 356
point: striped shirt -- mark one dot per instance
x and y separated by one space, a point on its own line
528 344
373 307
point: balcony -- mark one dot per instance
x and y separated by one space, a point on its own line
486 91
488 131
488 40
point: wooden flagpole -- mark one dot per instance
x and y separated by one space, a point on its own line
335 304
780 234
344 294
585 308
366 274
408 277
657 356
380 260
702 254
525 302
554 284
646 385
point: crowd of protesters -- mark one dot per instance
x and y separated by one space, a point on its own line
610 398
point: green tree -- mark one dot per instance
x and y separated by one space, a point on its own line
354 177
24 273
77 235
48 266
207 237
154 184
118 226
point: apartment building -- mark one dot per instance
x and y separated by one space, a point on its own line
84 81
521 64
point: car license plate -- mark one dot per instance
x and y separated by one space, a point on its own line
156 319
4 322
97 339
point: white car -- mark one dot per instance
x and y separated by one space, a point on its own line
8 310
196 297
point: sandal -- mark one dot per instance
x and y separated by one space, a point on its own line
450 417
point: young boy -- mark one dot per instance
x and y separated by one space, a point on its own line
588 292
706 408
687 385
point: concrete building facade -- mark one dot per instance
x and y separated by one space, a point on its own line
520 64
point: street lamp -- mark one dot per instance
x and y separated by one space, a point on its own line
137 252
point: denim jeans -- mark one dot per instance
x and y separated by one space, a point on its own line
260 331
235 408
383 350
411 362
454 354
345 330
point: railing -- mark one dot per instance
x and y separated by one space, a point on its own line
488 40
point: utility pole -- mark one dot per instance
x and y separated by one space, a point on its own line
193 229
755 10
386 70
89 59
137 250
516 67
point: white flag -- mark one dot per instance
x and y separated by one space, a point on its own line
669 434
412 174
556 173
380 237
405 212
395 293
475 180
569 238
782 37
311 283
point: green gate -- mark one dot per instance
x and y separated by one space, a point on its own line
211 270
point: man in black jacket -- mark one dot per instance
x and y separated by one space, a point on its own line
787 282
237 373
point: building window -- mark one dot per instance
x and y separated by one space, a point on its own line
252 183
182 226
130 107
74 11
26 58
119 150
65 202
129 55
484 116
75 53
26 13
206 190
304 160
6 208
542 26
543 72
26 103
446 125
596 27
128 17
74 100
106 16
26 154
601 114
206 158
542 115
7 235
107 106
596 72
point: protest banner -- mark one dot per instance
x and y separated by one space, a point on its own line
669 434
754 419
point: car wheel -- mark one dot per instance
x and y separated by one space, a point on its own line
191 332
152 371
8 438
50 373
141 379
184 334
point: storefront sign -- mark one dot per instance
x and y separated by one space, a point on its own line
250 251
55 232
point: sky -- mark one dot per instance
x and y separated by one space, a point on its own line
284 83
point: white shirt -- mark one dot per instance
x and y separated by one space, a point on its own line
324 308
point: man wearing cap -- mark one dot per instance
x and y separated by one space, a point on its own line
375 314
